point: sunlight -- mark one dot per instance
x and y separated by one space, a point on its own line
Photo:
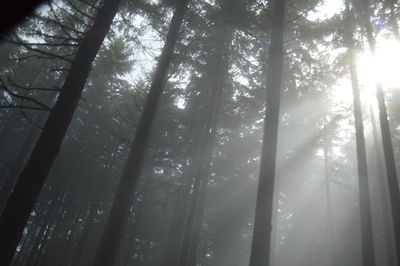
325 9
342 92
384 68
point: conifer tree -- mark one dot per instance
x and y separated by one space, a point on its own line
32 177
261 248
107 251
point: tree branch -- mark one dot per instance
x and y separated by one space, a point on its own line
13 83
13 94
27 46
11 106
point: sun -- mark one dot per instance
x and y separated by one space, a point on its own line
383 68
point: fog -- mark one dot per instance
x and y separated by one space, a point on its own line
212 133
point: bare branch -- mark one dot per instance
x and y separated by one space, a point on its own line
79 11
13 83
70 16
58 23
11 106
27 46
89 4
66 39
301 14
24 114
30 99
60 69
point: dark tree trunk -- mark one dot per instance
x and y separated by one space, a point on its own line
260 248
109 244
175 235
89 220
187 226
32 177
22 156
193 225
367 239
391 174
384 199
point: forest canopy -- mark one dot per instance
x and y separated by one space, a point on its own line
207 132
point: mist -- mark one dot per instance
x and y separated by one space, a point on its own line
212 133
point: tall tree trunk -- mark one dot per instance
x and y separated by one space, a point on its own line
89 221
329 200
367 239
175 235
196 209
260 248
22 156
394 193
32 177
109 244
384 200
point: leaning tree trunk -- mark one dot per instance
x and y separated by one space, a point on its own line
260 248
113 232
391 174
22 156
32 177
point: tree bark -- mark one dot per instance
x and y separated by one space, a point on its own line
391 174
107 252
32 177
367 240
261 248
384 199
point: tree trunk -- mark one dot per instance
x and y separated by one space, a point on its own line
367 239
32 177
260 248
89 221
391 174
384 200
109 244
22 156
196 209
329 200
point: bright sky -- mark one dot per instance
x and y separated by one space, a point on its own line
325 9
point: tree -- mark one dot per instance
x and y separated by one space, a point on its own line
260 249
115 225
363 183
32 177
391 174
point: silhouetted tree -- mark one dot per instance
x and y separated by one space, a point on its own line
110 241
391 174
260 248
32 177
367 239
